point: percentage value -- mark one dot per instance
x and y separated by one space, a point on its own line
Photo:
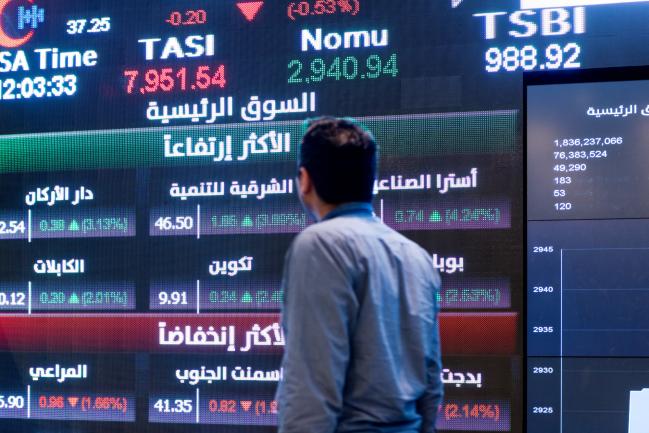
472 411
322 7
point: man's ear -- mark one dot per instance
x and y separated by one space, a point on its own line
306 185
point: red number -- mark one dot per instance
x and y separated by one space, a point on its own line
219 77
260 407
56 402
319 8
196 17
132 75
452 411
192 18
182 76
189 18
175 19
152 80
303 8
330 6
202 77
224 406
166 81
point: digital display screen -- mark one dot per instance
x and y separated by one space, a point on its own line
587 255
147 172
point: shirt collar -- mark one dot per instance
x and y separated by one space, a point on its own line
353 208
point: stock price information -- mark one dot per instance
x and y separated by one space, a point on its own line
587 257
148 196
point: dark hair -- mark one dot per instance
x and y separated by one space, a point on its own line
340 157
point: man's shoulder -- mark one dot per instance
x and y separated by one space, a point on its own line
324 232
349 230
359 238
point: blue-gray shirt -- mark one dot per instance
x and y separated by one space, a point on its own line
362 338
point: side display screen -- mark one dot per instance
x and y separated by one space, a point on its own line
587 256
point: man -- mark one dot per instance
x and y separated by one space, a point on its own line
360 312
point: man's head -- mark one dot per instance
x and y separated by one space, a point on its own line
337 164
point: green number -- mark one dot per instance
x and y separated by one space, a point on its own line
295 75
318 69
350 68
334 69
58 225
346 68
391 67
374 66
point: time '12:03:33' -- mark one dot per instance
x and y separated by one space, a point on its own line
38 87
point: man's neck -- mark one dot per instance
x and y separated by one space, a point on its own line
322 209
